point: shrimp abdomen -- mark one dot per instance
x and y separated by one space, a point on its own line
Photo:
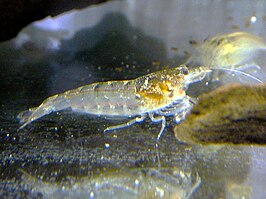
116 98
113 98
53 103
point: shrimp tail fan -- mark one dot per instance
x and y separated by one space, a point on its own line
24 116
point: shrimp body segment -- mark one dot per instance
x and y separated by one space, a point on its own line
156 95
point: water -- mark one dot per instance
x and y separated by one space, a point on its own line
67 154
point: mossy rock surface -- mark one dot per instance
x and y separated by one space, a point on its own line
230 114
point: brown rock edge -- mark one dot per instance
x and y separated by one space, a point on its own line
233 114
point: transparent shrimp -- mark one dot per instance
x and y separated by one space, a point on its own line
235 50
229 51
156 95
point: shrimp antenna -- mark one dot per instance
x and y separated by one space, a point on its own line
241 72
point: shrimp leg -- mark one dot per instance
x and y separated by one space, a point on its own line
158 119
129 123
180 116
184 108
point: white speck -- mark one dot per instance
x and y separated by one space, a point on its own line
107 145
146 82
253 19
47 109
114 136
112 106
125 83
98 106
91 194
137 182
182 174
207 83
106 97
159 192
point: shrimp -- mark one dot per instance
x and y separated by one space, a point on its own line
234 50
156 95
231 50
228 51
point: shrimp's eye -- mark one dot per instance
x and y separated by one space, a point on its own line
184 71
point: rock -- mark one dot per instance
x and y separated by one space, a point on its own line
16 14
234 114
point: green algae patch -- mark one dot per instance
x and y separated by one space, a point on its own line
233 114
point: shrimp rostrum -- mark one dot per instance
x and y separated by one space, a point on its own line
156 95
